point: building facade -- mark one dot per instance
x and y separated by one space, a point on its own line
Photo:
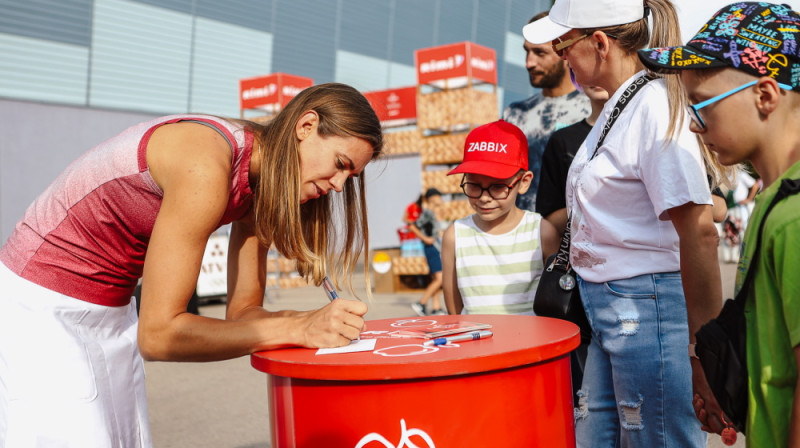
74 72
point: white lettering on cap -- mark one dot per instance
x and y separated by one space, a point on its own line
487 147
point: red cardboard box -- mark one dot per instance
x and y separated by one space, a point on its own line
394 107
460 60
271 92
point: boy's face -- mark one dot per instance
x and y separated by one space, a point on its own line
732 123
490 209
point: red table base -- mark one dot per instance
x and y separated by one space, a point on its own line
525 406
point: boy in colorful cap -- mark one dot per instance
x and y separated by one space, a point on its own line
492 259
742 74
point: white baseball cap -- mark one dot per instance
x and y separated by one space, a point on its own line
570 14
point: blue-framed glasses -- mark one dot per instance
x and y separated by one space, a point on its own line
694 109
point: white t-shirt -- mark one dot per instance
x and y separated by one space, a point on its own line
618 200
744 182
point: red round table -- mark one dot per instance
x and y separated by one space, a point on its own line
510 390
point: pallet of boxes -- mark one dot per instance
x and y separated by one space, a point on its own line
260 99
456 92
397 110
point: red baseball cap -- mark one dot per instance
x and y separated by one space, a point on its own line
498 149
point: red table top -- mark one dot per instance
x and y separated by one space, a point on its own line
517 341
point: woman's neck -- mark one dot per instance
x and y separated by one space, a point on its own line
618 71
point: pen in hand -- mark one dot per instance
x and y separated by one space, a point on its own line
329 290
332 294
460 338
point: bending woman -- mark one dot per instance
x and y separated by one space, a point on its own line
143 204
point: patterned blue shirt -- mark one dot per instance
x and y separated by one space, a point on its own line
538 117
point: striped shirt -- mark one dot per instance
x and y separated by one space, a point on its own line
498 274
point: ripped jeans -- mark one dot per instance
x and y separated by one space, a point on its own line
637 386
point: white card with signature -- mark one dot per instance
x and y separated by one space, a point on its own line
361 345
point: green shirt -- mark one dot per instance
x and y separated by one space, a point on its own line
773 318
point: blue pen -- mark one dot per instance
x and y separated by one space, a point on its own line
460 338
328 287
332 295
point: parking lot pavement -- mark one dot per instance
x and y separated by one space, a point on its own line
224 404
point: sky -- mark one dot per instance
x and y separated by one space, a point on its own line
693 14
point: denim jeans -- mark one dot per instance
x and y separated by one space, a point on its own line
637 386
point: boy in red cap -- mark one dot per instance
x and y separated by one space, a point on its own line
742 75
492 259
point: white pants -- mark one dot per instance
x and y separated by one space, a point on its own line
70 371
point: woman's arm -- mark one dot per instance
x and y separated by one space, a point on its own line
719 210
192 163
553 227
702 286
429 240
452 296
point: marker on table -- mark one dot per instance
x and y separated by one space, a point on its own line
329 290
460 338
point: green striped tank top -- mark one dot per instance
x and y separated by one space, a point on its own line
498 274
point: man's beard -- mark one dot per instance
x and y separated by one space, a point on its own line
551 78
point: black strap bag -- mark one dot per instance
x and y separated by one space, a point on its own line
557 295
721 343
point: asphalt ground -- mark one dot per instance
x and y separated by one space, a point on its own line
225 404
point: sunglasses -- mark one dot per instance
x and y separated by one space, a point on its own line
564 44
694 109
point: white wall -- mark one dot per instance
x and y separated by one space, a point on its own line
40 140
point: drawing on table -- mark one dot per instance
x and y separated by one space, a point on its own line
405 438
407 323
405 350
411 350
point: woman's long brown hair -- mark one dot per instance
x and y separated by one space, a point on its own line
325 236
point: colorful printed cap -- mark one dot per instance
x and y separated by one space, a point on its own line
759 38
498 149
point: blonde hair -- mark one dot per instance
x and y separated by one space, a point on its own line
306 233
632 37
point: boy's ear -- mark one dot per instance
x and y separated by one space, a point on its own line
769 95
525 182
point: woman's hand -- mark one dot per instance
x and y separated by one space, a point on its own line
334 325
704 403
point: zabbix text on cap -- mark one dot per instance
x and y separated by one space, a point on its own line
498 149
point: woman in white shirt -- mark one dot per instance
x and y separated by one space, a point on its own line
643 241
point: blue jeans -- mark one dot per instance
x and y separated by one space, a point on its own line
637 386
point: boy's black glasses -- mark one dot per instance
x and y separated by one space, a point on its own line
496 191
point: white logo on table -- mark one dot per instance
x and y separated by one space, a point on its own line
410 323
411 350
405 438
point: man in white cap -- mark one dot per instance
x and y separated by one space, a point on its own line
558 105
